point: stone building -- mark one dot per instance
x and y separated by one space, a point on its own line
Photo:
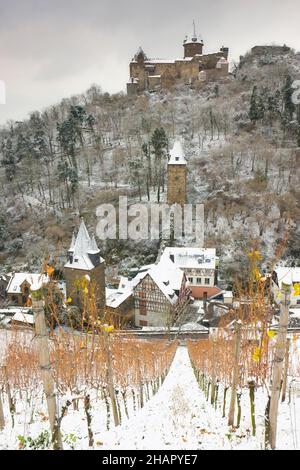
154 74
199 265
177 176
84 261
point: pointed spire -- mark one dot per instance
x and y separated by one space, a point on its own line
194 30
93 247
177 155
83 253
83 240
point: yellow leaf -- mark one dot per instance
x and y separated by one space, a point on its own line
50 270
108 329
271 334
255 255
86 291
296 290
257 274
69 300
256 355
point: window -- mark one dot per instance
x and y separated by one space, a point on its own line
198 280
298 302
143 323
191 280
143 307
207 281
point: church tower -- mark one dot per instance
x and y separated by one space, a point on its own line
193 45
84 260
177 176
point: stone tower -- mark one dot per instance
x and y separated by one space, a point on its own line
193 45
177 176
84 260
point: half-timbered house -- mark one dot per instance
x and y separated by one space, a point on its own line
161 295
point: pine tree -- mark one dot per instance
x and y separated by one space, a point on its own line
253 105
159 142
8 160
260 108
287 92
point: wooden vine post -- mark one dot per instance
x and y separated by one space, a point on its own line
110 379
2 420
286 369
279 355
213 371
45 364
235 375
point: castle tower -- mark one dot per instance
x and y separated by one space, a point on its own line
192 44
177 176
84 260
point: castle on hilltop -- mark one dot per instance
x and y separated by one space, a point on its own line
154 74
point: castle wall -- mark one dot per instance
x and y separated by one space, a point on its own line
212 74
209 61
152 74
187 70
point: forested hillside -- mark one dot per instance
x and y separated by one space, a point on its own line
241 138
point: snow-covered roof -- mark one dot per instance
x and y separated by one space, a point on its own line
159 61
115 297
81 247
35 280
192 326
191 257
23 318
10 311
177 154
194 37
166 276
287 275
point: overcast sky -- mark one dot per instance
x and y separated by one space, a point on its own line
50 49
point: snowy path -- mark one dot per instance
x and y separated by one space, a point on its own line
177 417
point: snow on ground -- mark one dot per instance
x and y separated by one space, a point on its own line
177 417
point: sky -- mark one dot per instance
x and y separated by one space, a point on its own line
53 49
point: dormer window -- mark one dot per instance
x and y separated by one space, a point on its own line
177 159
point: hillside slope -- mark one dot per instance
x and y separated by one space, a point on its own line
241 138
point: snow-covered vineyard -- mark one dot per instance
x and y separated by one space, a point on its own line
162 401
